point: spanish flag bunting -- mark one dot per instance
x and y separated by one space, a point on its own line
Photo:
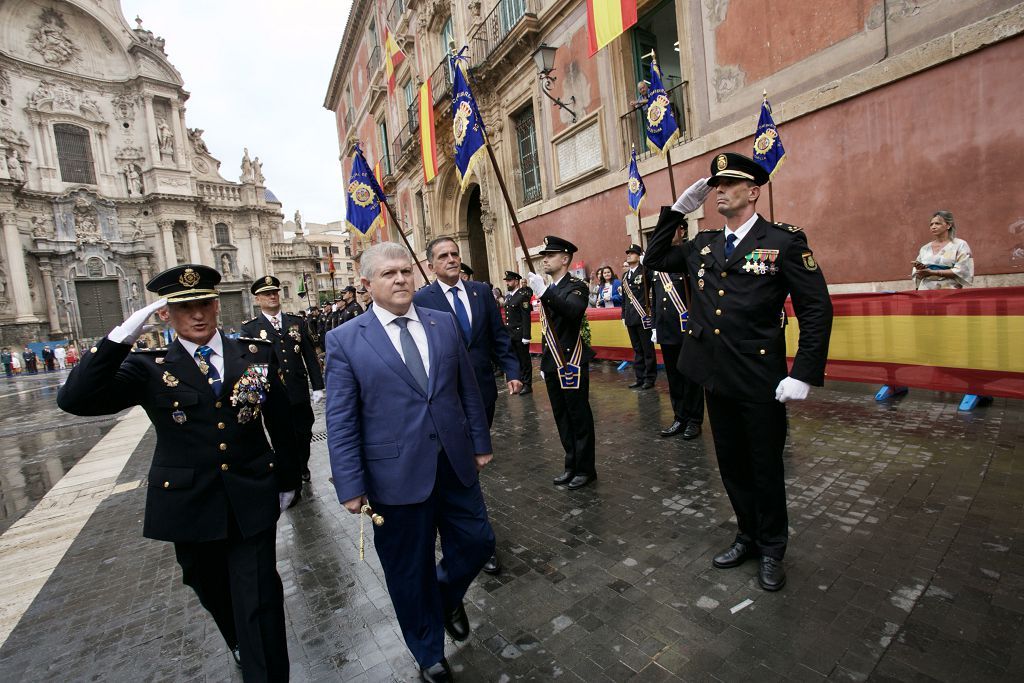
393 57
607 20
428 139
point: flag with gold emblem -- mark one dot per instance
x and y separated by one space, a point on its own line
660 120
635 186
363 209
768 149
467 124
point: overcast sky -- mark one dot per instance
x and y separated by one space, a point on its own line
257 72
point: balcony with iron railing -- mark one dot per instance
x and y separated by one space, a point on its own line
503 30
406 145
441 80
632 124
395 12
373 64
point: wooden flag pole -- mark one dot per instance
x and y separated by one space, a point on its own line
671 178
412 252
771 203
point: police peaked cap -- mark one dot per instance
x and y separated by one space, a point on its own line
510 275
266 284
557 245
187 282
634 249
733 165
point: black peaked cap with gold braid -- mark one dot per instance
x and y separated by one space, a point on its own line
187 282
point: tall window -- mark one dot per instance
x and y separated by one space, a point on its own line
382 137
526 144
447 36
74 154
223 233
410 104
373 35
511 12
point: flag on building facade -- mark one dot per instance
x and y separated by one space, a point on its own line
379 176
607 20
768 149
428 138
393 57
635 186
659 119
467 124
363 209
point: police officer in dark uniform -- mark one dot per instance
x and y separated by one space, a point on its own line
566 360
313 329
736 345
216 488
670 313
517 320
351 307
296 356
465 272
637 316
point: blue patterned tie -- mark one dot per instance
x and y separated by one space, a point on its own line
413 359
203 353
730 245
461 314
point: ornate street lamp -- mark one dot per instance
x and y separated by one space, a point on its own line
544 58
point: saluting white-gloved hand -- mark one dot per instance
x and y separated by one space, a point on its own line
654 336
285 499
790 389
128 331
525 341
318 396
693 197
536 283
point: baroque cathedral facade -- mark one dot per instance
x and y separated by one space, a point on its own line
103 185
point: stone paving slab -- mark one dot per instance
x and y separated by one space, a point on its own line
905 562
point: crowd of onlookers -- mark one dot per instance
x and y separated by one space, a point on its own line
49 359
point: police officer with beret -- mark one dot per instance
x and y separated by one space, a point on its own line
216 487
296 356
736 345
566 360
638 318
517 320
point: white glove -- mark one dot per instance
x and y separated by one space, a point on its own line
536 283
318 396
654 336
525 341
694 196
285 499
128 331
790 389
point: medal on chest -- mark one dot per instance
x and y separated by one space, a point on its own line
179 416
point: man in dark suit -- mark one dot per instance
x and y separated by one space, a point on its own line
736 345
670 313
565 363
216 488
638 319
517 321
407 434
296 357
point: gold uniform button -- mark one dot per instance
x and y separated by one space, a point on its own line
270 466
93 350
718 311
175 404
724 274
217 404
224 467
721 292
223 446
718 331
762 352
220 425
167 484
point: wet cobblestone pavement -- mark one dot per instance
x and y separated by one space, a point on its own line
905 562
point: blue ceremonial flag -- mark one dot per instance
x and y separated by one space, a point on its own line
768 149
363 211
467 124
662 129
635 186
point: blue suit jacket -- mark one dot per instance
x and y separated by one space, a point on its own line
489 340
383 432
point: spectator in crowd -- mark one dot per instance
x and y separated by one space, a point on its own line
48 362
7 360
72 355
31 362
16 362
610 292
945 262
61 355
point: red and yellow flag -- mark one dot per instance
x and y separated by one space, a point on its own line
379 175
393 57
428 140
607 20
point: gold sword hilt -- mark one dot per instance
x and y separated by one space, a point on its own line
374 517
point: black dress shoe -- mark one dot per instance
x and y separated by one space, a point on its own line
581 480
635 385
673 429
237 654
437 673
738 553
526 390
772 574
297 499
692 431
564 478
456 623
648 385
306 477
492 566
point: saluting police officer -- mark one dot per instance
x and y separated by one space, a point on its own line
216 488
670 313
565 363
296 356
517 320
637 317
736 345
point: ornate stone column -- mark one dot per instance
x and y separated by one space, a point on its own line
154 140
179 139
17 275
193 243
166 230
259 259
51 302
147 274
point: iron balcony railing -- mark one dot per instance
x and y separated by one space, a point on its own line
373 64
633 123
395 12
413 116
441 80
505 16
406 143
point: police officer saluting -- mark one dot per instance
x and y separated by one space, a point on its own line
736 346
517 320
297 357
216 488
566 360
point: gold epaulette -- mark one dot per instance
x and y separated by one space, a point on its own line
787 227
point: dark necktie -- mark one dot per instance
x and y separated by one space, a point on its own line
413 360
730 245
203 354
460 313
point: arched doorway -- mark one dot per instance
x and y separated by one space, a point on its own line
477 256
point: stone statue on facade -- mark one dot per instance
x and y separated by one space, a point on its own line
165 137
225 264
298 222
257 171
40 227
195 135
14 167
136 230
246 176
134 179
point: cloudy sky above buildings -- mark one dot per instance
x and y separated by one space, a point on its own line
257 72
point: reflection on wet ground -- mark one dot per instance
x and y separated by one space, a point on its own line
38 442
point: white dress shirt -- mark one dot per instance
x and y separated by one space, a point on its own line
216 358
463 295
279 317
741 231
415 328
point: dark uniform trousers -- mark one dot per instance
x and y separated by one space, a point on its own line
686 395
522 352
575 421
645 362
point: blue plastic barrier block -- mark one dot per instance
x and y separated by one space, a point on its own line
887 392
969 402
623 365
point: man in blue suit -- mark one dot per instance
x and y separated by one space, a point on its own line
407 435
